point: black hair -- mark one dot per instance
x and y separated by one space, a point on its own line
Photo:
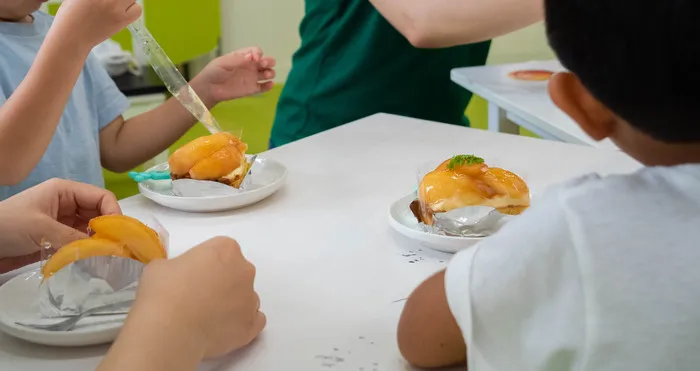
641 58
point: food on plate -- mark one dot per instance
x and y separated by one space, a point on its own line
531 75
219 157
114 235
141 240
466 180
83 249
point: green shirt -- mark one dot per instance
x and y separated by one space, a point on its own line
352 63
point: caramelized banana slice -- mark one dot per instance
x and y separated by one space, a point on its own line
182 160
138 238
83 249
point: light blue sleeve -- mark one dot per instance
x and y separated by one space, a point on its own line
3 94
109 101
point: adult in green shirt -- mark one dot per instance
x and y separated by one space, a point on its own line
360 57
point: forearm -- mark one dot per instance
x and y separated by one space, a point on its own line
428 335
150 341
143 137
28 119
445 23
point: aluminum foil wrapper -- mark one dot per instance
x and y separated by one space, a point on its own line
473 221
94 282
88 284
205 188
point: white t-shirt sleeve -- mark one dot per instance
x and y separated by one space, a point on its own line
517 296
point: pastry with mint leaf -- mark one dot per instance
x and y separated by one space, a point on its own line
466 180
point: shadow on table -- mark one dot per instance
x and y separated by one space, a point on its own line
236 359
162 210
23 349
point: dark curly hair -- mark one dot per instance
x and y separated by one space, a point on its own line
641 58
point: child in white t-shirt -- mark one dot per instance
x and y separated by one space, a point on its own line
602 272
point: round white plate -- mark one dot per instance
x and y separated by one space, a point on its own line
267 176
401 218
19 302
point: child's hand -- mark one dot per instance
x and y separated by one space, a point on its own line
238 74
212 288
94 21
57 210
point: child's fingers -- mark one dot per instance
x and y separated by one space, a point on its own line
253 53
266 75
133 12
267 62
266 86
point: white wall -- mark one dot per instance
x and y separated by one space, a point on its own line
525 45
254 22
270 24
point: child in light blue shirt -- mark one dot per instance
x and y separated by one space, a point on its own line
61 113
94 103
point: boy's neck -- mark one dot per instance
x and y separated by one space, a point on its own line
679 155
655 153
26 19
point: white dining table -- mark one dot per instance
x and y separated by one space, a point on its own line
513 103
332 274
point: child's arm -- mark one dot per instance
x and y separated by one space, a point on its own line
29 117
428 334
126 144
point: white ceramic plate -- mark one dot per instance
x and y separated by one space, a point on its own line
267 176
19 303
401 218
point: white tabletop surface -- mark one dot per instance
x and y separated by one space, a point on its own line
525 100
331 272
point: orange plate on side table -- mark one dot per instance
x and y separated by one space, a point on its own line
531 75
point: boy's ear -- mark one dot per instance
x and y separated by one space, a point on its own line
575 100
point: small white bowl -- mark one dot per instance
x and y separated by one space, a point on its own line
267 176
19 302
401 218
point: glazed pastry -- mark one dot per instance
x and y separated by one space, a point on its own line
219 157
465 180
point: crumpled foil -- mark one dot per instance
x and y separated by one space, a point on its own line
205 188
94 282
472 221
89 283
